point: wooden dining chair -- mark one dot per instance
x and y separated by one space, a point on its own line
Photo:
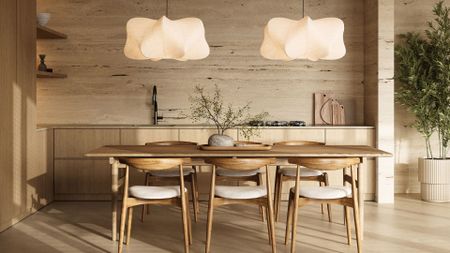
341 195
288 173
154 195
240 176
255 195
170 177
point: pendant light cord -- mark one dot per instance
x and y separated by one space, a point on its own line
167 8
303 7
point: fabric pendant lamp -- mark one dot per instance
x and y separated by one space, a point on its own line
157 39
287 39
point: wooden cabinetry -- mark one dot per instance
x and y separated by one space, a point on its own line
80 178
142 136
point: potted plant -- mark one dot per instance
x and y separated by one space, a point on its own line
423 72
210 108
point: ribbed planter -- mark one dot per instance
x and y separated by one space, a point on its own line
434 177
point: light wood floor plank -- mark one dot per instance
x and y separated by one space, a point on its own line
409 225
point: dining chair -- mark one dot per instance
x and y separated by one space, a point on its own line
137 195
238 176
254 195
170 177
345 195
288 174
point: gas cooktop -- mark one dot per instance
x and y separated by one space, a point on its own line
276 123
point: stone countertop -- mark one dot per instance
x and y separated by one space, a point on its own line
162 126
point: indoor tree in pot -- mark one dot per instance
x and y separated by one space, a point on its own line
210 108
423 73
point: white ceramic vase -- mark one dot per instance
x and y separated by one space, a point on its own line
434 177
43 18
220 140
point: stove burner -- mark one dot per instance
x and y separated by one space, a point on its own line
276 123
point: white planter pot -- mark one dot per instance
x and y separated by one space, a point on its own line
434 177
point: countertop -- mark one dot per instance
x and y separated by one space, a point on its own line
137 126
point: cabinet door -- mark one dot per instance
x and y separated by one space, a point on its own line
82 179
74 143
142 136
350 137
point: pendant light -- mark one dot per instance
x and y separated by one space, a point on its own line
157 39
287 39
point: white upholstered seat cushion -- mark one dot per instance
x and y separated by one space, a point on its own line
154 192
240 192
304 172
171 172
236 173
324 192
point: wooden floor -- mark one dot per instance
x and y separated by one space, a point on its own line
408 226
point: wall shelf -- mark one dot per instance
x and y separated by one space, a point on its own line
43 74
47 33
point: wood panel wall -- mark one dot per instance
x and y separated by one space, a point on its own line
26 182
104 87
410 16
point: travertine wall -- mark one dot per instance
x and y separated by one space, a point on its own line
104 87
379 88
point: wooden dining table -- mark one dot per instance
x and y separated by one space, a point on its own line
198 155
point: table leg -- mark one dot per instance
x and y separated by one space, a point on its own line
114 195
362 187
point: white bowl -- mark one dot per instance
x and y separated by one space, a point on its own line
43 18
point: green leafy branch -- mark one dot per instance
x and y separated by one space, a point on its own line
423 64
211 108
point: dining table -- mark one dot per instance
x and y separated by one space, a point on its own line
280 152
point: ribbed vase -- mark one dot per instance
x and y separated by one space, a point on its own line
434 177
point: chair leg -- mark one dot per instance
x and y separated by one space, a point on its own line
184 215
188 215
357 227
196 191
321 205
269 231
271 221
122 226
278 191
194 196
145 206
356 216
261 208
348 225
210 211
130 223
288 219
327 183
143 212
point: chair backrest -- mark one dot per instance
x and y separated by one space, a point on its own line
332 163
298 143
155 163
170 143
240 163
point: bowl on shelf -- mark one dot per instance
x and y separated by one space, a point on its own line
43 18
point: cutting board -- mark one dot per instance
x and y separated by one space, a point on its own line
327 110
